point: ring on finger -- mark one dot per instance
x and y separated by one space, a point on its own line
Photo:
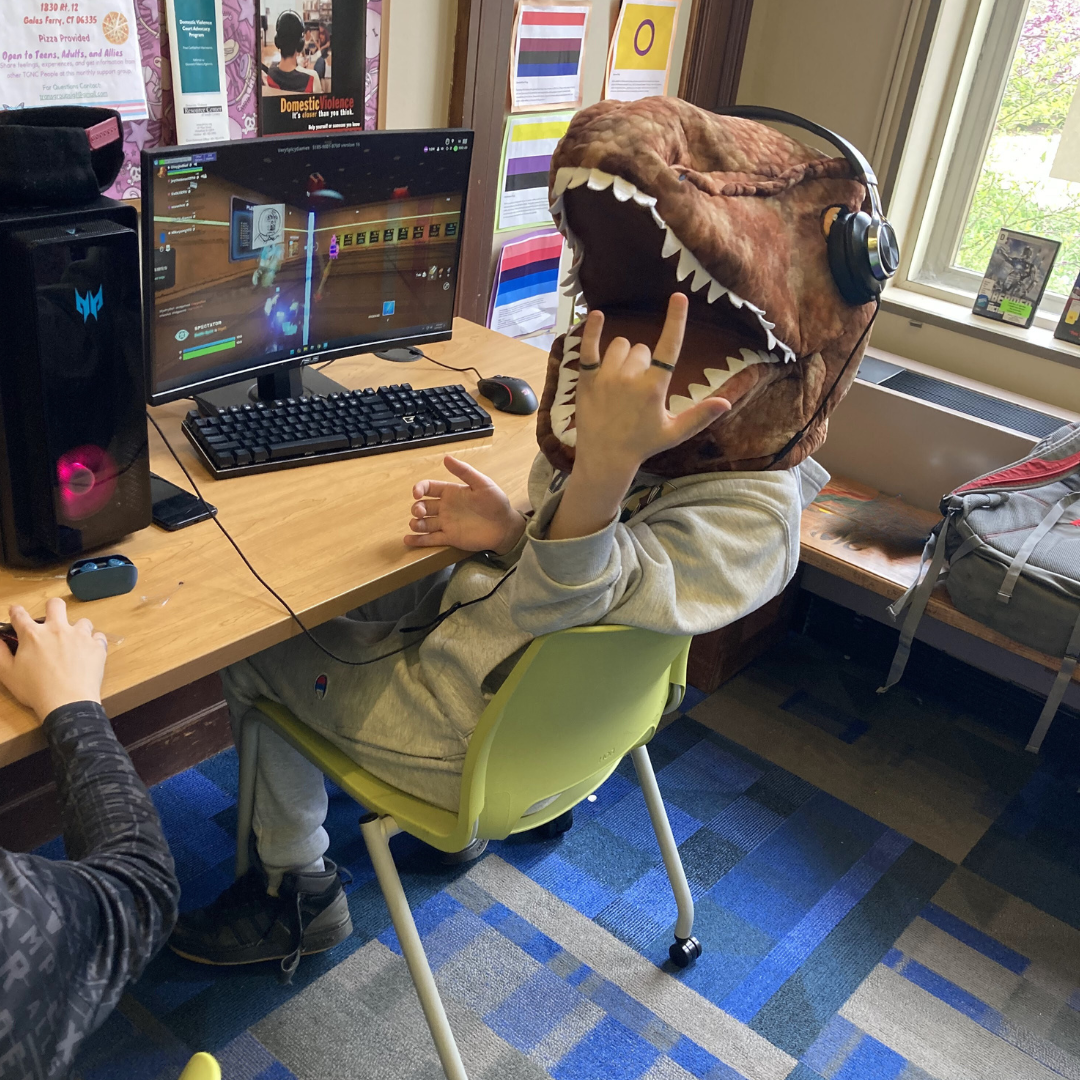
661 364
587 367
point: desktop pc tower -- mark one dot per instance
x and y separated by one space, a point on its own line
74 461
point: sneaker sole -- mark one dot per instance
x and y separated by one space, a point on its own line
319 943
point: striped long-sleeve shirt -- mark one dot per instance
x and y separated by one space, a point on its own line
74 933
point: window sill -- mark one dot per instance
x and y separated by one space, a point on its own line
1035 341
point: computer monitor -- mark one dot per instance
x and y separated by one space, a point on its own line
262 255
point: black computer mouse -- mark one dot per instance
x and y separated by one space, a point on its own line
10 638
508 394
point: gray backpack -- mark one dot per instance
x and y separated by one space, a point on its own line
1008 549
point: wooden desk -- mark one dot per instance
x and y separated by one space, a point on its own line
875 541
327 537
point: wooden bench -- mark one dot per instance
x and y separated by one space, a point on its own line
861 536
875 541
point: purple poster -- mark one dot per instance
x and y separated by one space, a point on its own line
371 74
160 130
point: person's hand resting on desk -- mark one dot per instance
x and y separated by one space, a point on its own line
57 663
474 515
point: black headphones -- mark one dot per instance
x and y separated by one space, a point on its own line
863 252
288 34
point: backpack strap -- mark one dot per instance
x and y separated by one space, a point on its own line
1050 519
917 595
1057 691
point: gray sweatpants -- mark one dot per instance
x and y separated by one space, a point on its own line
382 715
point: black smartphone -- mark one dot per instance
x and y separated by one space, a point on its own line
174 508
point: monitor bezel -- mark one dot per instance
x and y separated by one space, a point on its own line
163 397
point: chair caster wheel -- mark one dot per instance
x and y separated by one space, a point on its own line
685 951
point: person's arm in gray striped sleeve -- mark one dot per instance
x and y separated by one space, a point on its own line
74 933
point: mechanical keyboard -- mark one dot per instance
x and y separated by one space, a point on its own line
266 435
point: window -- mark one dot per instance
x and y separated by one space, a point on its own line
1019 75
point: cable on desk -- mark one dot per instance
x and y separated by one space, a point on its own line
216 519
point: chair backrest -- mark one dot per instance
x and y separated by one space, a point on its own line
574 705
201 1067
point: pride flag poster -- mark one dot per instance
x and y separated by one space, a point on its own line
523 179
549 46
640 56
525 296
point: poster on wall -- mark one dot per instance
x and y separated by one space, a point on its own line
523 178
639 60
373 34
549 50
313 65
238 18
197 48
77 53
525 296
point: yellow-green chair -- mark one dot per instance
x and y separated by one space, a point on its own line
201 1067
574 705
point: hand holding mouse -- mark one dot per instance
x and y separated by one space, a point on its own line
57 662
474 515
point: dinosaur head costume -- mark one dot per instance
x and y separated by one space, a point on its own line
657 195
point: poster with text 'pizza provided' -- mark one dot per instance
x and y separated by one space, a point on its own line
640 56
73 52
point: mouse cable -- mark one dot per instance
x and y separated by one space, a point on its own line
437 621
448 366
423 355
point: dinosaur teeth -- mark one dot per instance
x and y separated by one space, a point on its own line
600 180
677 404
688 265
570 177
579 177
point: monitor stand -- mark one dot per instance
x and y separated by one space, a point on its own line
294 382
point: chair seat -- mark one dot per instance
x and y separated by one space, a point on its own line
441 829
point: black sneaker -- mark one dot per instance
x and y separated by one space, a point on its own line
246 925
552 829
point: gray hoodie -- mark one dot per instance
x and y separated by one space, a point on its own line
686 556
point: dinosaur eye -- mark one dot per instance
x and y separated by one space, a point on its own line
828 216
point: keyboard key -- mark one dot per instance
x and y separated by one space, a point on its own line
223 459
307 446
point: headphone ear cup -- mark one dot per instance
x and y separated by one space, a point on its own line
849 258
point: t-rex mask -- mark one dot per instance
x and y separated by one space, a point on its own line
657 195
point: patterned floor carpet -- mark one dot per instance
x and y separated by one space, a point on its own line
887 888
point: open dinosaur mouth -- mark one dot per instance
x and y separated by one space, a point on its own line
627 262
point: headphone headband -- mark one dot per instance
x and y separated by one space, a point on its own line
854 157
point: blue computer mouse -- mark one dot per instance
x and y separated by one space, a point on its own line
107 575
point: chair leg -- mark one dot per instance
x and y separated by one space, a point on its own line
686 948
377 832
245 803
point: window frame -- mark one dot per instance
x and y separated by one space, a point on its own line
965 120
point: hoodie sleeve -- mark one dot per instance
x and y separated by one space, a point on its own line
692 562
73 933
